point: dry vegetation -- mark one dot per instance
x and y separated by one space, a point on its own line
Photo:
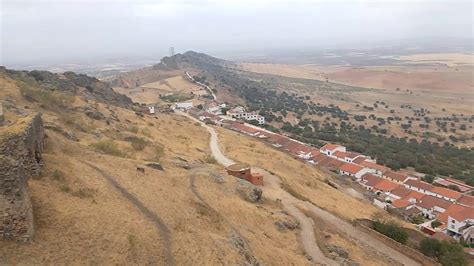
82 218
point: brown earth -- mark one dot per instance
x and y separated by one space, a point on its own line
94 208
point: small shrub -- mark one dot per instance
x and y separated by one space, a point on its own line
158 152
57 175
65 188
210 159
133 129
108 147
138 143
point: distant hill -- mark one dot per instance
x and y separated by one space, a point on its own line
69 82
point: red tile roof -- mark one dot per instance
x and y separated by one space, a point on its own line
340 154
352 155
330 147
359 160
466 213
419 184
330 162
401 191
371 180
466 200
401 203
428 202
453 208
446 192
319 157
350 168
375 166
395 176
386 185
415 195
448 181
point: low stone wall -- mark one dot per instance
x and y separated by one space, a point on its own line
412 253
21 144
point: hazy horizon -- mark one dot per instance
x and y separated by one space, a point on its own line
62 31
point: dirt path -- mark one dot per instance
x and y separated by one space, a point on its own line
273 190
160 226
243 247
308 238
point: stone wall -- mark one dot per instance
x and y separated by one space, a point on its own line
21 144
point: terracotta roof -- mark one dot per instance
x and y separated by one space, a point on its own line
453 208
419 184
401 191
401 203
319 157
466 213
415 195
375 166
371 180
330 162
411 211
396 176
466 200
359 160
446 192
340 154
352 155
428 202
350 168
330 147
448 181
385 185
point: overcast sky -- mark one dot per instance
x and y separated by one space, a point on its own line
62 31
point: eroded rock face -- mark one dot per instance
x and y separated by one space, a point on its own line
21 145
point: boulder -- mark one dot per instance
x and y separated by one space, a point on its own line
249 191
341 252
94 114
287 222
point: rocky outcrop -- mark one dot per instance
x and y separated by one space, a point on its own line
21 144
248 191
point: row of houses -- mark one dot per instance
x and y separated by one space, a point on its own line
407 195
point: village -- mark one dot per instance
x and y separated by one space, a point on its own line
443 209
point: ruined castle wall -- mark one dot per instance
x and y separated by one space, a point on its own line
21 145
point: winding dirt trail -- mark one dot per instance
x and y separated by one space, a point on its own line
308 238
159 224
273 190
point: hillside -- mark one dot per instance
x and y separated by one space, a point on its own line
188 213
393 126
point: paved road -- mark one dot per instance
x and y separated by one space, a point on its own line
273 190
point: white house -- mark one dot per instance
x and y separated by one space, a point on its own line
329 149
216 109
353 170
184 105
239 112
460 224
